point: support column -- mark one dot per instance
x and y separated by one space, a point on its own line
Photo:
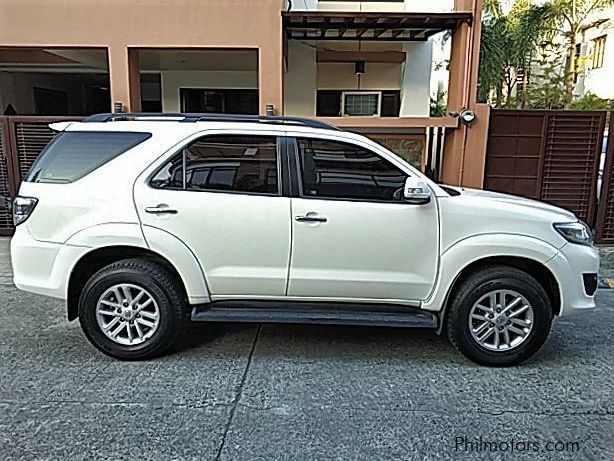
474 162
416 86
134 77
462 93
271 75
124 78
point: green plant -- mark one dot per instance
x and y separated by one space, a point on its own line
438 104
548 88
591 101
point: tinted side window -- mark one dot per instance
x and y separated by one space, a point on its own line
74 154
223 163
337 170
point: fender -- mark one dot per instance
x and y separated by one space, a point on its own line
150 238
184 260
467 251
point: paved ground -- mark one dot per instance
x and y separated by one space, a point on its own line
607 264
234 392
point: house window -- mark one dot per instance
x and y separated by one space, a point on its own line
357 104
50 102
578 53
335 103
221 101
598 51
522 79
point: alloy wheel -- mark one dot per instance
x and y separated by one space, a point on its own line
501 320
127 314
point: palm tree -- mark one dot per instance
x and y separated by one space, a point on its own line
492 59
507 48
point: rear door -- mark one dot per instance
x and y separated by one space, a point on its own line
221 195
354 237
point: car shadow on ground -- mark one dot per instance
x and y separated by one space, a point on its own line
331 342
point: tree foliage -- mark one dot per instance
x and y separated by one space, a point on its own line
545 34
508 46
569 17
591 101
438 104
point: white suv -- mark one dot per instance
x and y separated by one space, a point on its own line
142 223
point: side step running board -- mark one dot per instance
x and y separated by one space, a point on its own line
319 314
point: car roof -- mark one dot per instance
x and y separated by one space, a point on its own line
182 128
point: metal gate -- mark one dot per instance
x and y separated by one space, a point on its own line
7 179
547 155
605 215
22 139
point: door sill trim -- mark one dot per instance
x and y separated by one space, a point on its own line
255 311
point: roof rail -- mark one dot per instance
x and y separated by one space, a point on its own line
210 117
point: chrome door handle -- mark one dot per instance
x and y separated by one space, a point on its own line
307 218
160 209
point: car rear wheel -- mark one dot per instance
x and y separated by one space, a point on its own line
132 309
499 316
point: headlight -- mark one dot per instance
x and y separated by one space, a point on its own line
575 232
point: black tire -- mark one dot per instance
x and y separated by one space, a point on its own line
475 287
159 283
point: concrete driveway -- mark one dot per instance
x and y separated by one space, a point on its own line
292 392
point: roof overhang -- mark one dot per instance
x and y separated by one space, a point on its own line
368 26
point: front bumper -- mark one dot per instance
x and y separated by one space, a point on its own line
42 267
572 266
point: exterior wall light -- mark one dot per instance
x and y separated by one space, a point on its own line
270 110
467 116
118 107
359 67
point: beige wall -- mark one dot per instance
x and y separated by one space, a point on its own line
122 24
378 76
305 76
300 80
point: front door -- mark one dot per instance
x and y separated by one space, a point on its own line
353 235
221 196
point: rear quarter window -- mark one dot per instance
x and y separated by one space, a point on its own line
75 154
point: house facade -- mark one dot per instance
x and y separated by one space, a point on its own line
596 53
363 65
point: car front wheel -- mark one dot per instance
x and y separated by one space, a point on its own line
132 309
500 316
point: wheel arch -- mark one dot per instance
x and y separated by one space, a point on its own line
460 259
532 267
98 258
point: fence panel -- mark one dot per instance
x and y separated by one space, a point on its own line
7 183
547 155
513 155
571 161
605 215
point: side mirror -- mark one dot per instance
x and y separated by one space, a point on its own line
416 191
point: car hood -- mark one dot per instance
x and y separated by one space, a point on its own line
555 212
